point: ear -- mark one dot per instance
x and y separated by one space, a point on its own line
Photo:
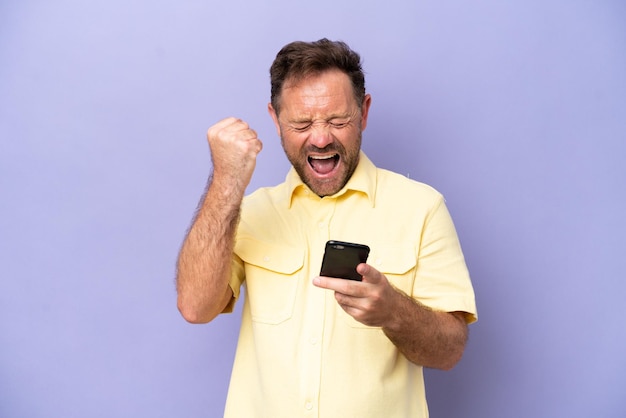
365 108
274 116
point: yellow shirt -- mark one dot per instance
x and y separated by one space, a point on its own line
299 354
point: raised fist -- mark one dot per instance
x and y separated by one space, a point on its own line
234 147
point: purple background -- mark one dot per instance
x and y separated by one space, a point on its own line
516 111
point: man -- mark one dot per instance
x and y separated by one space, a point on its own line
322 346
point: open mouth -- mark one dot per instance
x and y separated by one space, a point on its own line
323 164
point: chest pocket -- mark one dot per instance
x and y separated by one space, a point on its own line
273 274
397 263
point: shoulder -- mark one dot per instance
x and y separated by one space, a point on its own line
265 195
394 185
264 204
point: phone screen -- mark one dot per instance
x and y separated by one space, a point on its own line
341 258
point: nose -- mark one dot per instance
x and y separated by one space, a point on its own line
321 135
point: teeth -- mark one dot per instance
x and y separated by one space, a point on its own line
319 157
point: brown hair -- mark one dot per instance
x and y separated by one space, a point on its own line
298 60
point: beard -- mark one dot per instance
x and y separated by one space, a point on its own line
346 159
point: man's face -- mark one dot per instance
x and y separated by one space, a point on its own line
320 125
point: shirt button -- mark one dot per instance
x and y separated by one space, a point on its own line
266 258
313 340
308 406
320 225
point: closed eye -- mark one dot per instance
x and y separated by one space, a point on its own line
301 127
333 123
339 124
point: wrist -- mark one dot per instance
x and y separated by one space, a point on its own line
400 311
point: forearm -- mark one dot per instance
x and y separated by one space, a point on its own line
203 268
427 337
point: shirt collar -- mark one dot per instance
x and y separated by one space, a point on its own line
363 180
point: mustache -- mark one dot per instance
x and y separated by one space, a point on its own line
332 147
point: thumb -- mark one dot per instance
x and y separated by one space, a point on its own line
369 273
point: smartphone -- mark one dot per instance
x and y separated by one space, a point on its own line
341 258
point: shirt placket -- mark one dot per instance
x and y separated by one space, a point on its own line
318 234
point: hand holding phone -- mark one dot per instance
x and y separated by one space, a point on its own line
342 258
